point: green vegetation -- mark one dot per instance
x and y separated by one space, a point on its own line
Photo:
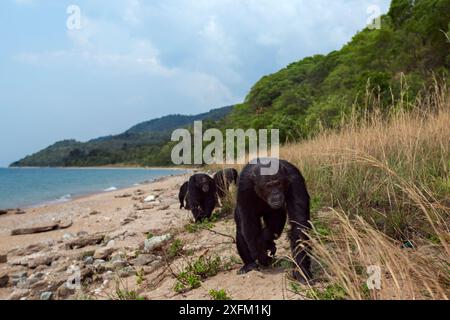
175 249
394 62
376 68
219 295
196 271
144 144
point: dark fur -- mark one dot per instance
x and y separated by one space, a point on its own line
202 196
183 196
272 199
223 179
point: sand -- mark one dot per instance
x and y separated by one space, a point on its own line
118 216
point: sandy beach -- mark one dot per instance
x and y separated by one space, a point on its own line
104 236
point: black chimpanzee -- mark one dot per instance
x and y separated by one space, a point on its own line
271 198
183 196
202 196
223 179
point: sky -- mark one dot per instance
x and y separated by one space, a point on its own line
81 69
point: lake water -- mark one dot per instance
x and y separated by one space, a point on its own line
34 186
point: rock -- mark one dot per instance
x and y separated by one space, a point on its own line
43 228
82 233
103 253
18 211
84 241
63 291
88 260
46 295
4 279
111 243
156 242
164 208
109 275
3 258
127 272
151 198
143 260
41 260
119 264
19 294
68 236
2 212
33 248
93 213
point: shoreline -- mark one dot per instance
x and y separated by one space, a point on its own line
78 196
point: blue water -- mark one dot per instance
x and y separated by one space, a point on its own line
35 186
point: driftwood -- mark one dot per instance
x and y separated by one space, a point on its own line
41 229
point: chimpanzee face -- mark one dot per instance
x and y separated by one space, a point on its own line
272 190
203 183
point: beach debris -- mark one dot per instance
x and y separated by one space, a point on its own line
46 295
156 242
32 230
3 258
93 213
164 208
151 198
84 241
40 229
19 211
4 279
3 212
125 195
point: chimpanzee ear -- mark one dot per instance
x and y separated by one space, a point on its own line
254 173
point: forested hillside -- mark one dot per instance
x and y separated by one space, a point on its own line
398 61
143 144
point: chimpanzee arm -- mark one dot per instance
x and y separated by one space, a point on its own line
298 212
252 232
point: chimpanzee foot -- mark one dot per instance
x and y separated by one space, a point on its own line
248 267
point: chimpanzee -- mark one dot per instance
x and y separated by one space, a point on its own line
271 198
223 179
183 196
202 196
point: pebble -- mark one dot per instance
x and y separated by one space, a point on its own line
46 295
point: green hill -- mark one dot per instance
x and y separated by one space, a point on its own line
143 144
395 62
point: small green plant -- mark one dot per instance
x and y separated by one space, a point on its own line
295 287
150 235
140 276
175 249
331 292
219 295
206 224
283 263
321 229
192 275
128 295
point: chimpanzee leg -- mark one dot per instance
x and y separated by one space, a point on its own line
299 216
243 250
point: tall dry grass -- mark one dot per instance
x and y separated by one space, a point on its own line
386 182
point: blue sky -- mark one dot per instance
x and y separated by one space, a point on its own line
134 60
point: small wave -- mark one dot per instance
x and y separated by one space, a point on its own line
66 197
110 189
